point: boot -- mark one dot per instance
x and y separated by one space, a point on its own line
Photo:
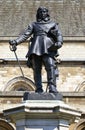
52 89
52 80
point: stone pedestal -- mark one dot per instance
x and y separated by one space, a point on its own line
49 114
42 96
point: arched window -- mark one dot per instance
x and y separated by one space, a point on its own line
20 84
80 125
4 125
80 87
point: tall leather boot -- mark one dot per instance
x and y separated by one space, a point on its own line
51 80
38 81
37 64
49 63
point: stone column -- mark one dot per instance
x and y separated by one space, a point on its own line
42 112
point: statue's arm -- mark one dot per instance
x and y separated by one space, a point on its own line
59 37
23 37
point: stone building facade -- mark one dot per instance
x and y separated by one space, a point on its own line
14 18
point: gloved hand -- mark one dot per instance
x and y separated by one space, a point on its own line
55 46
58 45
13 44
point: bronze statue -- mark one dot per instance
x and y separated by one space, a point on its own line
46 39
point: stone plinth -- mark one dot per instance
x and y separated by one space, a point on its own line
42 96
42 115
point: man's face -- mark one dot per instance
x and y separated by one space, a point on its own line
43 13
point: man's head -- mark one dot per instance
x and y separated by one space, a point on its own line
42 14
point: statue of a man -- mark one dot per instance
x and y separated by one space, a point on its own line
45 42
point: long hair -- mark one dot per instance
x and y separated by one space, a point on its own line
39 16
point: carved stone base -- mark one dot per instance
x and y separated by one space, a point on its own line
42 114
42 96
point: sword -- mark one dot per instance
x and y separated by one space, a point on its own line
13 48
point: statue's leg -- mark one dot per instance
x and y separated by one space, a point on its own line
37 66
51 76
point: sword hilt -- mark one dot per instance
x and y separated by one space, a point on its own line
13 47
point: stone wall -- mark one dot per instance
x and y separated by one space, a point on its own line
15 15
